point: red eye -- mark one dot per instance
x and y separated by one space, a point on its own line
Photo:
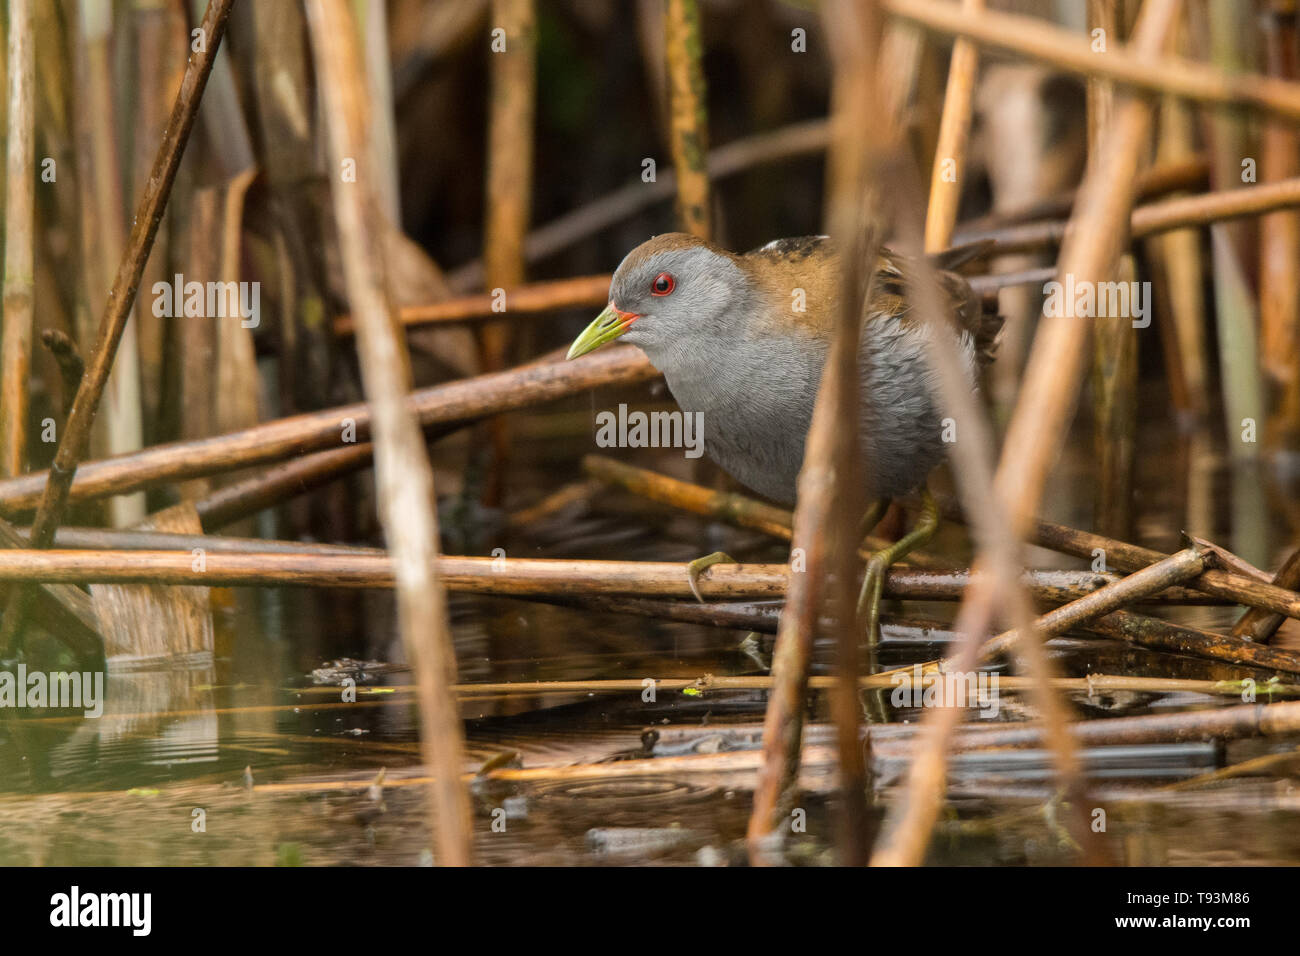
663 284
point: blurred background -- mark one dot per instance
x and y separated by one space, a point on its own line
1157 448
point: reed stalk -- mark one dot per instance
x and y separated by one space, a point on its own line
1279 243
121 427
688 110
1129 65
509 193
20 191
404 477
1048 392
947 176
830 494
76 431
280 439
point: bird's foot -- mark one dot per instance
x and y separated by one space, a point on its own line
879 563
700 565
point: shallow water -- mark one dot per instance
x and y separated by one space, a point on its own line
279 770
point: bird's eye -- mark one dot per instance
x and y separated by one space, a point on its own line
663 284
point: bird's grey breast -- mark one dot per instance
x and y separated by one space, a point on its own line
757 396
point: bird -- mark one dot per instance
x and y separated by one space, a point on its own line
743 338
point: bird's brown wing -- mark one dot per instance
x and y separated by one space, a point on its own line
891 298
810 265
799 278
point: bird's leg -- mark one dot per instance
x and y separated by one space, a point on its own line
880 561
700 565
875 511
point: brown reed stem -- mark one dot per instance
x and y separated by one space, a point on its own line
689 127
1130 557
1172 570
946 179
1093 683
1279 241
512 103
1161 635
1220 723
404 477
1154 218
1260 625
1091 252
228 504
518 576
1115 344
1163 177
1129 65
995 581
1175 259
1048 392
453 403
536 298
830 494
20 235
76 431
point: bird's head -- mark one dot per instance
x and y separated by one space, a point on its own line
667 293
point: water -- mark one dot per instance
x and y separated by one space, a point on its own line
243 760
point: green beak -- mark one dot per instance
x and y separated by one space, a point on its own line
605 328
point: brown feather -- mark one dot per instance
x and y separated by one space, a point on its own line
811 264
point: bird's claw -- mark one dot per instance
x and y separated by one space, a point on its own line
700 565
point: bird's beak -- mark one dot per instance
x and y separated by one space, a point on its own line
605 328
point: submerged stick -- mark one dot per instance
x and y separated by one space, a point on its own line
1221 723
1181 639
1260 625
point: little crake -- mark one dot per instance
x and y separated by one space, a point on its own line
742 339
